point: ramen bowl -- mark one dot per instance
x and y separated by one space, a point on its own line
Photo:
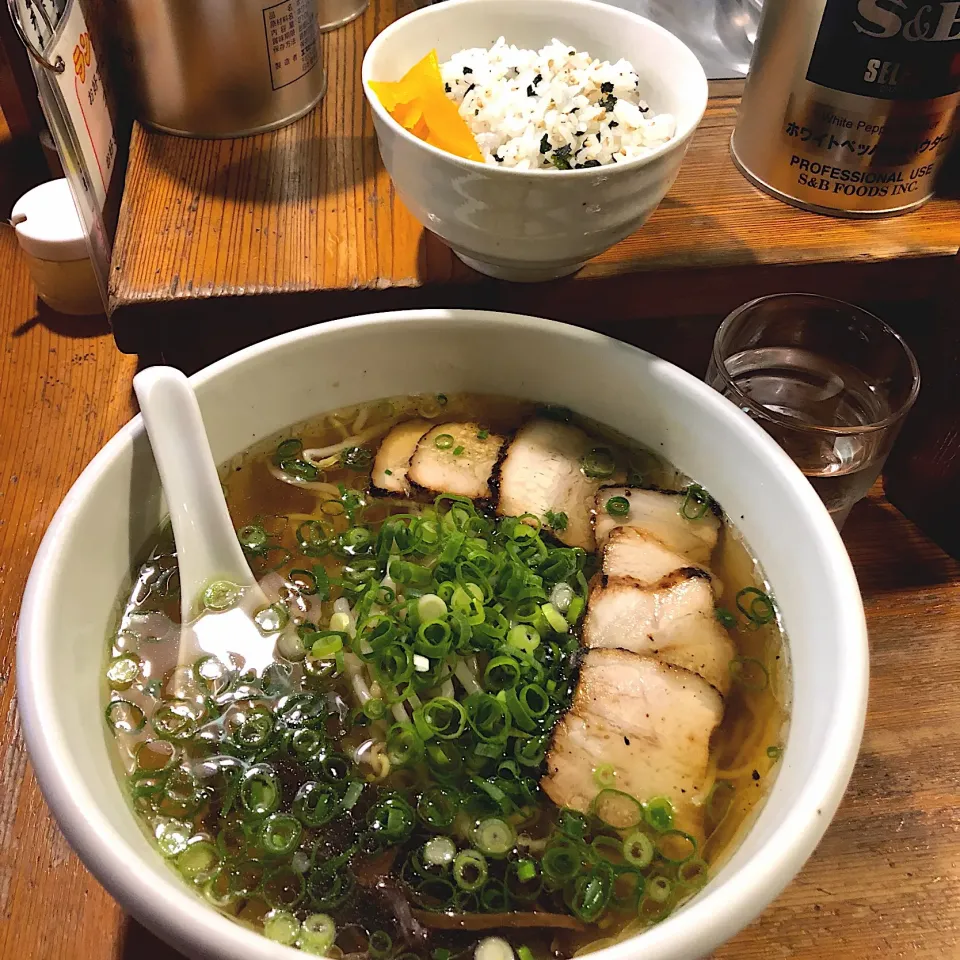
530 225
116 505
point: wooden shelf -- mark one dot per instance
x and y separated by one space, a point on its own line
309 209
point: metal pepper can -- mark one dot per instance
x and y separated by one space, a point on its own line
849 105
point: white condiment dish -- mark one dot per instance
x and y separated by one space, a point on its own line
535 224
115 506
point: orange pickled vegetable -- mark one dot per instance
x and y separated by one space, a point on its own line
419 104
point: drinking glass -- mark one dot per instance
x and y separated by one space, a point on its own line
828 381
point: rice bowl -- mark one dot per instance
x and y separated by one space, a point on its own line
539 223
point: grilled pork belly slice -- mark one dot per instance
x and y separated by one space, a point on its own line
651 721
397 448
455 458
543 475
674 622
657 512
642 557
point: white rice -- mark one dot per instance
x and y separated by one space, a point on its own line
550 108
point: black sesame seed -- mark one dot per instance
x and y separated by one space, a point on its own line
598 136
571 53
592 163
579 133
467 70
498 158
612 124
643 109
446 87
606 87
755 774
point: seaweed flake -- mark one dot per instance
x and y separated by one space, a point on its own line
545 144
530 91
468 70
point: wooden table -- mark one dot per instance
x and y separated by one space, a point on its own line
884 883
254 236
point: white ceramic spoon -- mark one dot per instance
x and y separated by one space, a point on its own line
207 547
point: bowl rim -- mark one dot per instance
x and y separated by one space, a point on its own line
680 138
178 915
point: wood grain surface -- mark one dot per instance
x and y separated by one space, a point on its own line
310 208
884 883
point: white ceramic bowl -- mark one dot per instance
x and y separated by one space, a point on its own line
115 506
535 224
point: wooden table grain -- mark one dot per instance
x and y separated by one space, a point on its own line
884 883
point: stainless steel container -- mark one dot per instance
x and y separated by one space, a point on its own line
849 106
337 13
222 68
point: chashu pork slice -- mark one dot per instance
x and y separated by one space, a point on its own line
642 557
455 458
658 512
389 476
651 721
542 475
674 622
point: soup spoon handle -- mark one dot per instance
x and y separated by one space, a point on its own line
207 546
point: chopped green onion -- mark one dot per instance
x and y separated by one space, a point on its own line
326 646
774 752
317 934
444 441
482 434
380 944
392 818
125 717
693 873
658 813
279 834
430 607
281 926
659 889
470 870
696 503
122 671
458 451
598 464
220 595
605 775
524 953
271 619
617 809
404 745
591 894
439 851
374 708
172 720
438 807
252 537
573 824
494 837
199 862
675 846
749 673
283 887
260 791
501 673
556 520
356 458
172 837
759 609
523 637
638 849
555 619
444 718
561 861
617 506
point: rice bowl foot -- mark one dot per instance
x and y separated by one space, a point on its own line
519 273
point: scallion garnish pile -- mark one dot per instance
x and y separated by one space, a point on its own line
384 772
